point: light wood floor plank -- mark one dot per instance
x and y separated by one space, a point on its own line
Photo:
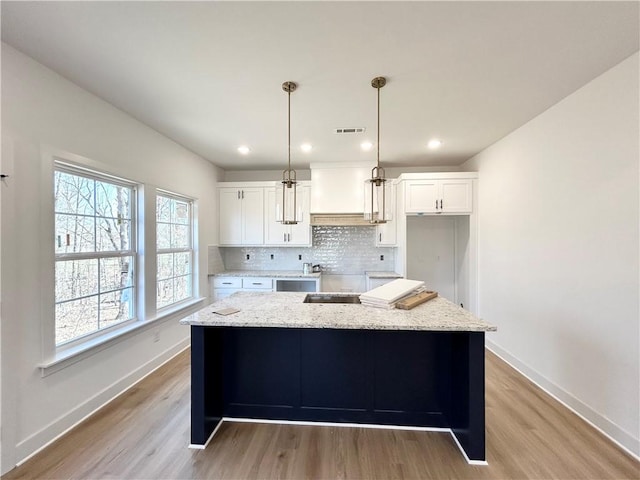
144 433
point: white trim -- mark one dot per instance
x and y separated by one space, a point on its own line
68 356
470 462
102 398
437 176
344 425
582 410
196 446
336 424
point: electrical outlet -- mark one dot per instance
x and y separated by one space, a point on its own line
248 256
272 256
299 257
381 257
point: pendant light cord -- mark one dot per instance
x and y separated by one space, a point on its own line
378 161
289 125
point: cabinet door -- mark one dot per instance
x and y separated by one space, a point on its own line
252 200
386 235
456 196
420 196
377 282
275 233
300 234
230 230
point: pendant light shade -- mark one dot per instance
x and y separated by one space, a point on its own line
377 189
287 209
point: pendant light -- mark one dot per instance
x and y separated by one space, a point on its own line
376 189
286 202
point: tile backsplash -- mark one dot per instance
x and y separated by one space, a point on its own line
339 250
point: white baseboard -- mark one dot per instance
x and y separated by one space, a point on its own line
617 435
346 425
36 442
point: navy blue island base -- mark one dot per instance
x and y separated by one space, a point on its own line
385 377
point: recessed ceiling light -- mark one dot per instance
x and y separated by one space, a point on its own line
366 146
306 147
434 144
244 150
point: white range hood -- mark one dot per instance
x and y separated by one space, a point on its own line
337 193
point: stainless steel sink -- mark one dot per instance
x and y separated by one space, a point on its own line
320 298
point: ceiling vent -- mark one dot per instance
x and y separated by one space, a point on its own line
349 130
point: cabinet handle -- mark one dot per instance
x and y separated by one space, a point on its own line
436 204
238 194
243 194
226 283
284 237
380 237
288 237
440 204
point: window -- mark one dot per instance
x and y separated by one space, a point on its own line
95 253
174 231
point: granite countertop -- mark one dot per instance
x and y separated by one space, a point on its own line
286 310
383 275
266 273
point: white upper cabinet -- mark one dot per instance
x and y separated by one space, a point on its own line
386 233
287 235
456 196
241 215
438 195
421 196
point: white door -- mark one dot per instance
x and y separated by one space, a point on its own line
300 234
230 230
252 216
386 233
274 232
421 196
431 253
456 196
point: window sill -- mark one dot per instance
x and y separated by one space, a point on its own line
68 356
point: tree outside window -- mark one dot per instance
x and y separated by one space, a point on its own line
94 251
174 227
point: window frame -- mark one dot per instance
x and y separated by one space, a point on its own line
191 250
95 175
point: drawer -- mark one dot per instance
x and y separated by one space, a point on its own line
257 283
227 282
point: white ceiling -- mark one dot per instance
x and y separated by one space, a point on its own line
209 74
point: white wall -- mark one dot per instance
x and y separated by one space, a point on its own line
40 110
558 250
305 174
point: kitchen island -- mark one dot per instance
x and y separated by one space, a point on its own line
281 359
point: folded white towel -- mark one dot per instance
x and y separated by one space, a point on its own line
388 294
392 291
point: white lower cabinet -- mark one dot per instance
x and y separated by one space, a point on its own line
257 283
377 282
223 287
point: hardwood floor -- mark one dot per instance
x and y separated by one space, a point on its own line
144 433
